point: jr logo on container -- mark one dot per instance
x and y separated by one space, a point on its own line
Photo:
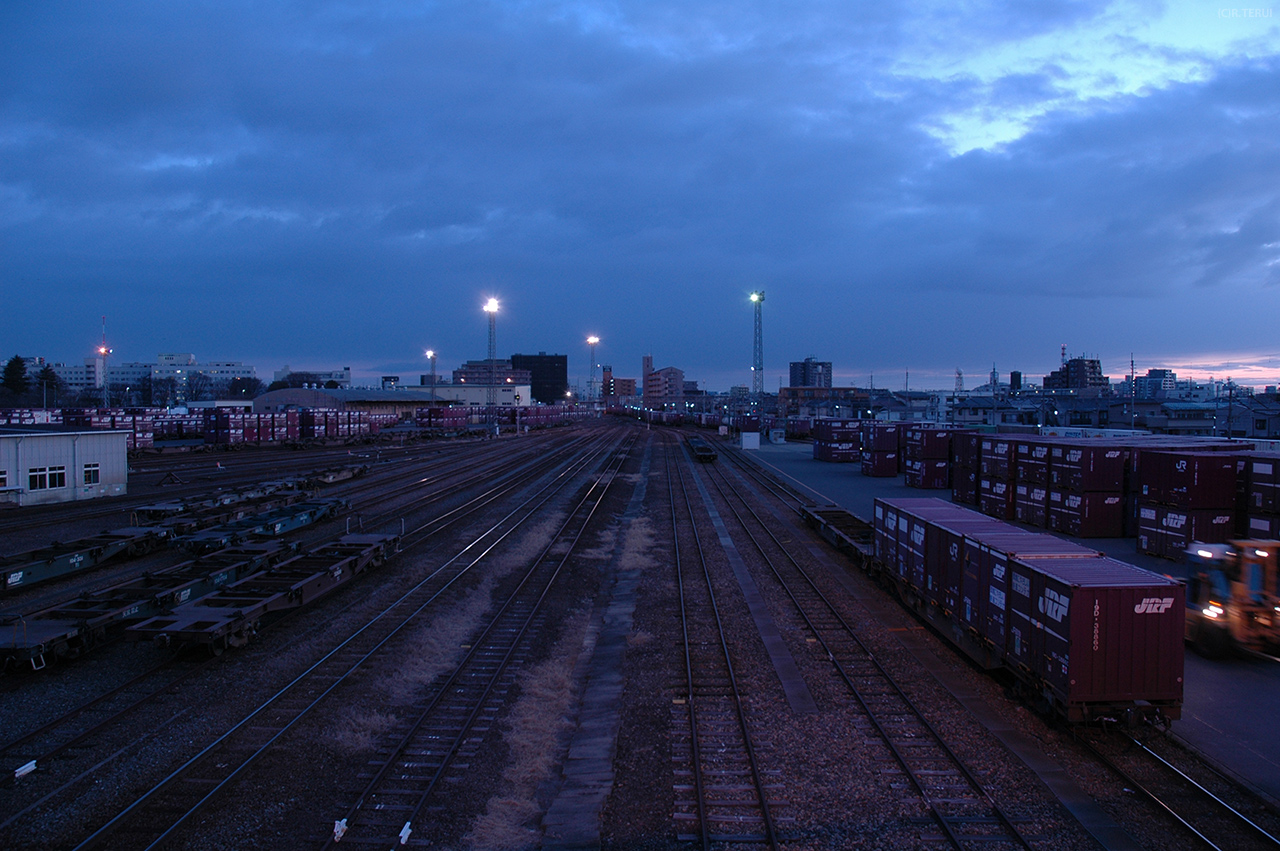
1053 605
1153 605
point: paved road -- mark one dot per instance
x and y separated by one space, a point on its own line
1232 706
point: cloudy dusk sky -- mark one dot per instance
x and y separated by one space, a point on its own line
920 186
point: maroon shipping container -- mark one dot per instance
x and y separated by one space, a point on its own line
995 498
997 458
966 449
836 452
880 464
1031 504
1263 527
1189 479
881 437
837 430
1087 515
1087 466
928 474
929 443
1102 634
985 588
964 485
1167 531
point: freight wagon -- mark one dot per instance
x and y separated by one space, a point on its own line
702 451
1085 636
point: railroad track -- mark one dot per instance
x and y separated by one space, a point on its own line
728 796
399 799
42 746
150 820
441 484
1203 813
958 803
1216 813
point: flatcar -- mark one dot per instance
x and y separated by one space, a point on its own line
702 451
1084 636
1233 604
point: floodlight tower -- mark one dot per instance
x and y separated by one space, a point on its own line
591 375
104 352
431 356
491 394
757 359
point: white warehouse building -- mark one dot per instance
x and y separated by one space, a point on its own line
41 467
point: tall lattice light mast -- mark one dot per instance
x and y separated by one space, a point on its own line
591 376
104 352
757 357
491 392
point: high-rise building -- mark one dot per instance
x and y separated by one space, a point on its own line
548 375
1077 374
612 387
810 373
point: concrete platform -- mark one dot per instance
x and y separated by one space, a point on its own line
1230 705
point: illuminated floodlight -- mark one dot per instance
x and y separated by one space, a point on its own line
592 340
491 306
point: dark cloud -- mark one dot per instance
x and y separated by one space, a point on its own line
331 183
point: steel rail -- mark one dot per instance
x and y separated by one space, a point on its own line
1170 809
735 693
724 487
506 644
557 483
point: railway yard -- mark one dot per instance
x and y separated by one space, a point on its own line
595 636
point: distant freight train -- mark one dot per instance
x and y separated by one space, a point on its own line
1087 637
702 450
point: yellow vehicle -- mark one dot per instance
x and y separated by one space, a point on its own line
1233 603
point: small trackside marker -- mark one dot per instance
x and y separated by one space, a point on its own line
339 830
23 771
404 834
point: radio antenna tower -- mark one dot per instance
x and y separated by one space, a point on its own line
959 381
757 357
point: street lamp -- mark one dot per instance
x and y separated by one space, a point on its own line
431 356
591 374
491 395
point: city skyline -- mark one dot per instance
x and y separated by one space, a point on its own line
918 189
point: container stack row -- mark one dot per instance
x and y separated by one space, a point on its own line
836 440
996 477
1185 497
928 457
882 445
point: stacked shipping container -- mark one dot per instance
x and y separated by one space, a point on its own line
836 440
1185 497
881 448
1260 480
966 456
996 482
1086 489
928 457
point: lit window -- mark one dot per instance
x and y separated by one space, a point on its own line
91 474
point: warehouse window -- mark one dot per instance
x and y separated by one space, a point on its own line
46 478
4 478
91 474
